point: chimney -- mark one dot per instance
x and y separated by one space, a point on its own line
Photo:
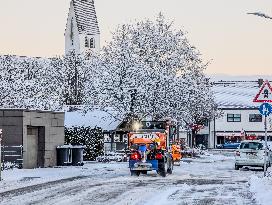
260 82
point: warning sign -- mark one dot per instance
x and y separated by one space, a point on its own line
265 93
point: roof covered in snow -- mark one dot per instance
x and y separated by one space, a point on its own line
92 118
237 93
86 16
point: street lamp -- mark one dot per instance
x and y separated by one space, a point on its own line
265 121
136 126
260 15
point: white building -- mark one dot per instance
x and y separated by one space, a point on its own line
240 116
82 31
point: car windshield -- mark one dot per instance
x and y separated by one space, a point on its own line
251 145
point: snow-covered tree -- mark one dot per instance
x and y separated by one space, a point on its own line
149 69
74 69
120 86
11 82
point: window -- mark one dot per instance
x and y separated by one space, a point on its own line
92 43
255 118
86 42
234 117
251 145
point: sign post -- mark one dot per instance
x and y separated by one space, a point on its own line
265 109
265 95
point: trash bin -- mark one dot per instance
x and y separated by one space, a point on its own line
77 155
63 155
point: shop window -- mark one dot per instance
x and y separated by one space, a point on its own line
255 118
234 117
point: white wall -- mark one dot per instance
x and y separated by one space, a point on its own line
223 126
68 41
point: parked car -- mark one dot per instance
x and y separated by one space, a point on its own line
228 145
252 153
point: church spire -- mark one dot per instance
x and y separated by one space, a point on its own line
82 31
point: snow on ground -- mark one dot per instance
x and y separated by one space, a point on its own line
17 178
210 179
262 189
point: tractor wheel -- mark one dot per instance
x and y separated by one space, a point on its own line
144 172
162 169
135 173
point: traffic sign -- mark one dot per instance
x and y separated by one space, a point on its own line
265 109
265 93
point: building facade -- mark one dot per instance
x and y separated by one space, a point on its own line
240 116
235 124
37 132
82 32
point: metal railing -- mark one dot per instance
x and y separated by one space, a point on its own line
11 157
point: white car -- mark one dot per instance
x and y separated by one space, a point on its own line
251 153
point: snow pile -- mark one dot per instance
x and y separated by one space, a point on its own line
208 157
261 188
204 156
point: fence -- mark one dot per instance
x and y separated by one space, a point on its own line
11 157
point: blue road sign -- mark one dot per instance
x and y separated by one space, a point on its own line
265 109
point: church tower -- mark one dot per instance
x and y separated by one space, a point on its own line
82 32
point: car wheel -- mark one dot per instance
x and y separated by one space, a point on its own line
265 168
237 167
170 168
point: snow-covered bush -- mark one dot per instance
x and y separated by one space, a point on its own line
92 138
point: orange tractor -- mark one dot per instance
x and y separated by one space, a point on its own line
149 152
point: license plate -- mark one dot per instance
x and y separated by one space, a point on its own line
251 155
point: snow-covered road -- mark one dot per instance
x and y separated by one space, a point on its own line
208 180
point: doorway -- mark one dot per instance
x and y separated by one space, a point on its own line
35 147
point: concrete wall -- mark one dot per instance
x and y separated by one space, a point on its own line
50 126
11 122
53 123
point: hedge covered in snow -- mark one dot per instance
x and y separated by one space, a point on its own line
92 138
